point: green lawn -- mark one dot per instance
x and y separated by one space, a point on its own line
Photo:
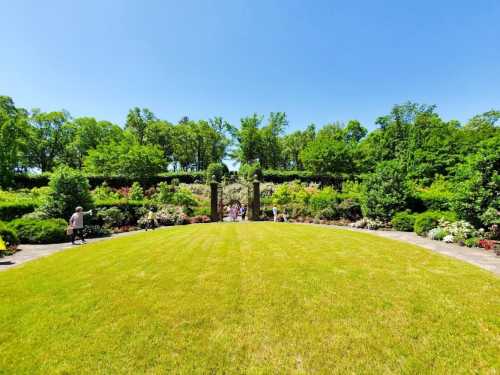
249 298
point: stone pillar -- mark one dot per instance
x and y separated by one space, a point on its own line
214 206
255 207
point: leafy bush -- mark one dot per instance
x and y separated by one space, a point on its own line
136 192
185 199
477 182
328 213
164 193
460 230
428 220
471 242
349 209
438 196
403 221
217 171
104 192
9 236
12 210
368 224
112 217
250 171
95 231
386 191
40 231
324 198
68 189
491 217
437 234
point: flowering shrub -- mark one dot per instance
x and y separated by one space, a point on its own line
368 224
374 224
448 239
437 234
471 242
460 230
487 244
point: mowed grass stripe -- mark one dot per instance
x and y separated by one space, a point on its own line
249 298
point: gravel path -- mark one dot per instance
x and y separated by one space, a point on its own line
478 257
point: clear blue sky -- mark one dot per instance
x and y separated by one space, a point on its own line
319 61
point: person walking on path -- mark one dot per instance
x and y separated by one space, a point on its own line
275 214
76 224
243 212
151 220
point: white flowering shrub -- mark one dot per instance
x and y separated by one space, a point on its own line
437 234
448 239
460 230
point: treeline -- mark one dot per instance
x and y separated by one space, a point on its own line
423 144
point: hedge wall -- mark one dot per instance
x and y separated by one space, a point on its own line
10 211
279 176
276 176
31 181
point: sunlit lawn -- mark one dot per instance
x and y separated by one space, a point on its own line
249 298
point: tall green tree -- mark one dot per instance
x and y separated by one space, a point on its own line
13 135
49 138
137 122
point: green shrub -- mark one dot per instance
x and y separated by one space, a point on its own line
438 196
386 191
324 198
428 220
250 171
491 216
403 221
349 209
13 210
471 242
216 171
112 217
136 192
68 189
40 231
329 213
9 236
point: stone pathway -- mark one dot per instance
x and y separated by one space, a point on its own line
31 252
476 256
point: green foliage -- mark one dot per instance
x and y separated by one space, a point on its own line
125 159
404 221
136 192
9 211
40 231
216 171
491 216
386 191
112 217
251 171
9 236
324 198
477 182
164 192
428 220
471 242
184 198
69 189
438 196
104 192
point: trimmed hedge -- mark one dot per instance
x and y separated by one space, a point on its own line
13 210
276 176
40 231
428 220
9 236
29 181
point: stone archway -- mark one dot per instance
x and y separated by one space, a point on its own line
223 194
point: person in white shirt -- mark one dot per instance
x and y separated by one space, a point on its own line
275 213
76 224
